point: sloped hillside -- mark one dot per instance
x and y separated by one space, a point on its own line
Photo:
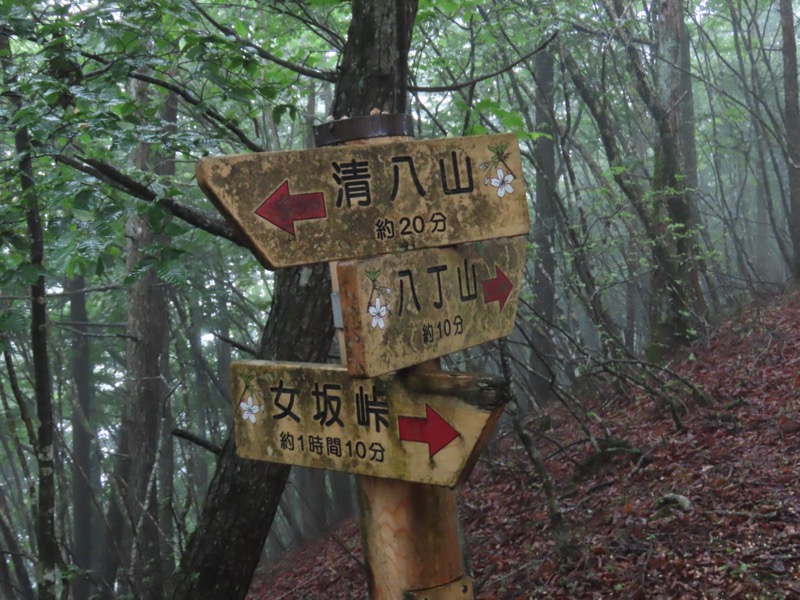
712 511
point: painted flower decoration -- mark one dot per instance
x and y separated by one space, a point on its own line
378 312
249 410
502 183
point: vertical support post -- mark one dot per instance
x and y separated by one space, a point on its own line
410 532
410 535
411 538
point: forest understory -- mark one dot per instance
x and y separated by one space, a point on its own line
712 511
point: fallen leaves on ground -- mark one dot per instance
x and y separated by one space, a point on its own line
712 511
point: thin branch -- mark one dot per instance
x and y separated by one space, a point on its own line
465 84
117 179
184 94
22 402
195 101
197 440
238 345
87 323
307 19
228 31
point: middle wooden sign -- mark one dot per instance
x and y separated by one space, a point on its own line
403 309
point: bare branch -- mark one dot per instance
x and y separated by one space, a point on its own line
117 179
197 440
299 69
465 84
239 346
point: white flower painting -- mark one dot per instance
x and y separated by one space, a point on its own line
249 410
378 313
503 183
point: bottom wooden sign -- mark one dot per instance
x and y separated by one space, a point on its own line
424 427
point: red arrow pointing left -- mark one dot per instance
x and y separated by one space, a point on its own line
431 429
497 289
282 209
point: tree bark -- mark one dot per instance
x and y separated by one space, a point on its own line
223 552
792 121
374 71
677 302
544 289
134 541
148 327
47 574
10 537
225 548
82 509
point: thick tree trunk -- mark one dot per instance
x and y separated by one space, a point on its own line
148 327
544 289
677 303
374 69
47 574
792 121
82 468
225 548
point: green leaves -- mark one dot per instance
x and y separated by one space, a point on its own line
281 109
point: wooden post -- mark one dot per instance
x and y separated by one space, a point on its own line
410 535
409 531
410 528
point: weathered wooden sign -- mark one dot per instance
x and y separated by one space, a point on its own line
402 309
355 201
424 428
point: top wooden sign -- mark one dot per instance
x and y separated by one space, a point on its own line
355 201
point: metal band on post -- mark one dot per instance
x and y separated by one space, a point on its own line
362 128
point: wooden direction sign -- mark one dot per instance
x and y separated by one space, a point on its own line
420 427
402 309
355 201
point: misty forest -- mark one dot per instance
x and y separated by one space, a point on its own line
660 147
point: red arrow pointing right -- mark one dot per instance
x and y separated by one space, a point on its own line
431 429
497 289
282 209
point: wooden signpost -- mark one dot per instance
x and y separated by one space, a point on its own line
340 202
421 428
422 274
402 309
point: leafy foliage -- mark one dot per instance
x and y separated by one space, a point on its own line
96 84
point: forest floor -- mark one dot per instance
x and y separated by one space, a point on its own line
712 511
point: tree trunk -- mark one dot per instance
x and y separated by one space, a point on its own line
792 121
47 574
148 326
544 289
224 549
310 484
677 301
11 543
82 468
342 494
374 70
165 167
134 540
